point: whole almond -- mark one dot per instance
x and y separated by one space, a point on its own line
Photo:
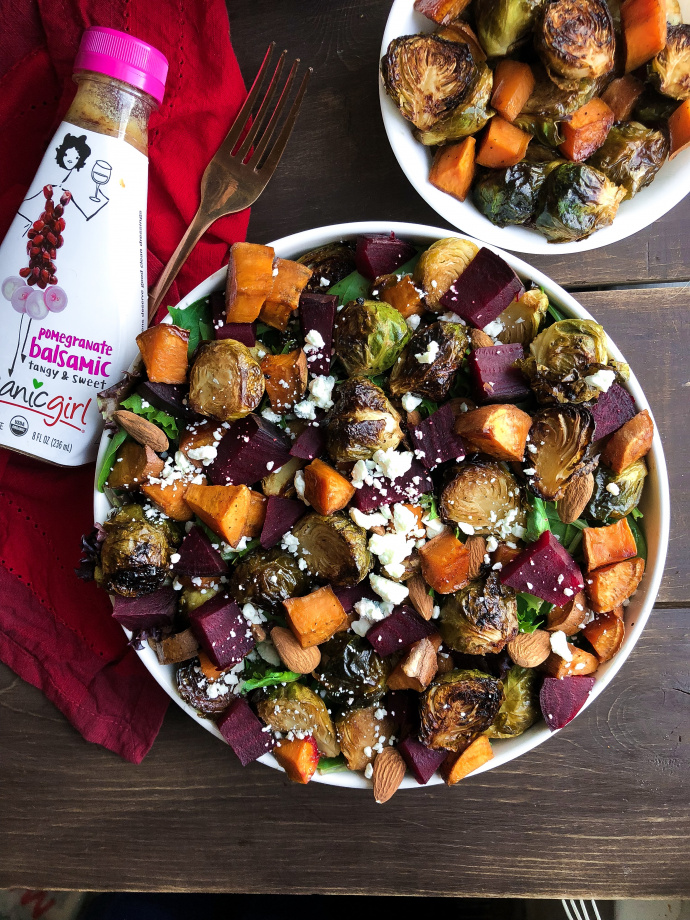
575 498
569 617
142 430
479 339
420 598
389 771
297 659
476 547
414 417
530 649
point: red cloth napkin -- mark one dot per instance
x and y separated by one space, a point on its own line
56 631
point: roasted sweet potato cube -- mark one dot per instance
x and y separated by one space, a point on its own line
325 489
569 617
417 669
445 563
441 11
224 509
250 281
164 353
629 443
286 378
256 515
316 617
457 766
170 498
605 545
644 30
586 130
452 170
582 663
208 668
299 758
206 433
513 85
605 634
499 431
611 585
289 280
177 648
133 465
504 554
400 293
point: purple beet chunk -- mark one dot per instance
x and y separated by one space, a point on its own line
217 301
561 700
222 631
248 451
483 291
612 410
168 397
406 488
546 570
399 631
348 597
281 515
434 440
422 761
198 557
381 253
317 314
147 611
244 731
494 375
241 332
311 443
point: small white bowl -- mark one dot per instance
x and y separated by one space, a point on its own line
655 503
670 186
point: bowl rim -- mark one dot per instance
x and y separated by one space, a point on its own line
505 750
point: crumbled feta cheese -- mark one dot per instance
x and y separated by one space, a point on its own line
559 645
299 485
404 520
392 463
182 463
270 415
367 521
428 356
387 590
491 544
466 528
175 558
394 569
451 318
410 402
290 543
372 611
359 474
313 340
602 380
390 548
433 528
368 771
494 328
613 488
305 409
252 615
206 453
413 321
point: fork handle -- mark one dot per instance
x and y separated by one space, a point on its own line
200 223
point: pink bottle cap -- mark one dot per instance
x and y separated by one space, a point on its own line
123 57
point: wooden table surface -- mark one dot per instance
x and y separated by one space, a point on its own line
601 810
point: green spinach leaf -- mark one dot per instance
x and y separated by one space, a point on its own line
109 457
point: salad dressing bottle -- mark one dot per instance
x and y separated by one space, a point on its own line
73 263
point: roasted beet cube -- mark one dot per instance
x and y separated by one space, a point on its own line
495 378
241 332
317 314
381 253
546 570
168 397
250 449
146 611
402 707
406 488
244 731
561 699
612 410
422 761
222 631
399 631
483 291
348 597
434 441
310 443
198 557
281 515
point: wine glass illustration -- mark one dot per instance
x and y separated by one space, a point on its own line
101 175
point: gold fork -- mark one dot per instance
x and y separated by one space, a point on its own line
229 184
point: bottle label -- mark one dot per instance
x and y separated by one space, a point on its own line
73 284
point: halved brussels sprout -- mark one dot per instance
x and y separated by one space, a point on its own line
503 24
520 706
575 40
361 422
330 263
631 156
547 131
135 554
456 707
358 732
521 320
626 490
351 674
481 618
653 109
440 265
510 196
207 697
468 117
426 77
575 201
226 381
334 548
669 71
550 101
268 577
486 496
295 707
557 449
193 596
368 336
445 344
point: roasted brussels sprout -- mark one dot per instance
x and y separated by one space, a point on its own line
481 618
510 196
330 263
440 265
207 697
135 555
550 101
547 131
295 707
484 495
625 493
444 344
575 40
520 706
361 422
521 320
359 732
575 201
369 336
504 24
226 381
334 548
669 71
631 156
558 443
456 707
267 577
193 595
351 674
653 109
468 117
427 77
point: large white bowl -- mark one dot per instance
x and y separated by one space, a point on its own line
670 186
655 503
